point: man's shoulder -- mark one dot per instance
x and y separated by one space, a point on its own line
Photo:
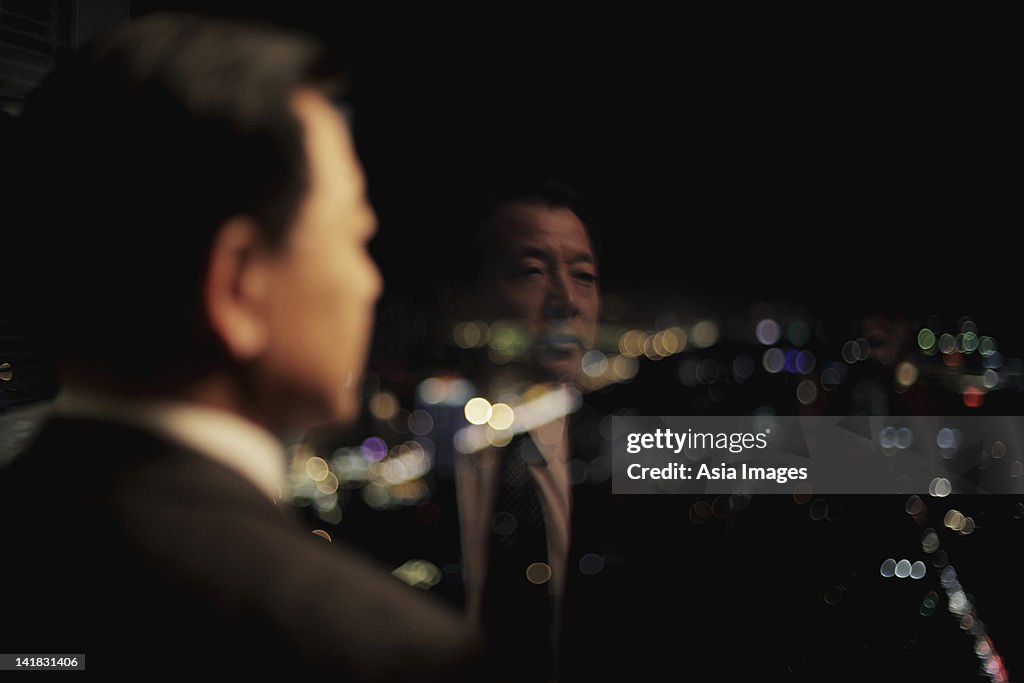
139 525
115 477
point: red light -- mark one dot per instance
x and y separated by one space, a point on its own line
973 398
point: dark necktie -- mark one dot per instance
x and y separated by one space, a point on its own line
516 603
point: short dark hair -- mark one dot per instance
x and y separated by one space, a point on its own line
480 238
131 156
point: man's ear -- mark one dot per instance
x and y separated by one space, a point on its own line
235 288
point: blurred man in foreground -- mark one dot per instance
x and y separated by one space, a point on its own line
198 230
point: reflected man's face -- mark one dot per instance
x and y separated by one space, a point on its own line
543 275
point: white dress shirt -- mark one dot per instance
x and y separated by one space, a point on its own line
477 474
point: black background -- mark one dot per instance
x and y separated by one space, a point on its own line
851 161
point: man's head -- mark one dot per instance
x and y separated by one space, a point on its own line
539 269
198 211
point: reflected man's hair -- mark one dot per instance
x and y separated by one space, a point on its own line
482 237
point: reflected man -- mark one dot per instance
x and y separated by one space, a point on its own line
538 281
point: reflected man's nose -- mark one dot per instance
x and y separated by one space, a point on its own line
561 300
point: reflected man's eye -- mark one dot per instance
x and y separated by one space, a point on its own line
525 270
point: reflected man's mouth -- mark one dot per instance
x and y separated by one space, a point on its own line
559 343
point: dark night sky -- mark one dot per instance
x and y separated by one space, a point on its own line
842 160
849 160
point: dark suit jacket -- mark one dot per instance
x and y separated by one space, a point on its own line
598 608
155 560
603 619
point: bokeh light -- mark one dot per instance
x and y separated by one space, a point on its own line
591 564
973 397
743 367
704 334
374 449
798 332
502 416
477 410
926 339
805 362
624 368
538 573
420 422
930 541
987 346
383 405
418 574
631 343
316 468
594 363
830 378
906 374
914 505
940 487
431 391
807 392
767 332
773 360
470 335
947 343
